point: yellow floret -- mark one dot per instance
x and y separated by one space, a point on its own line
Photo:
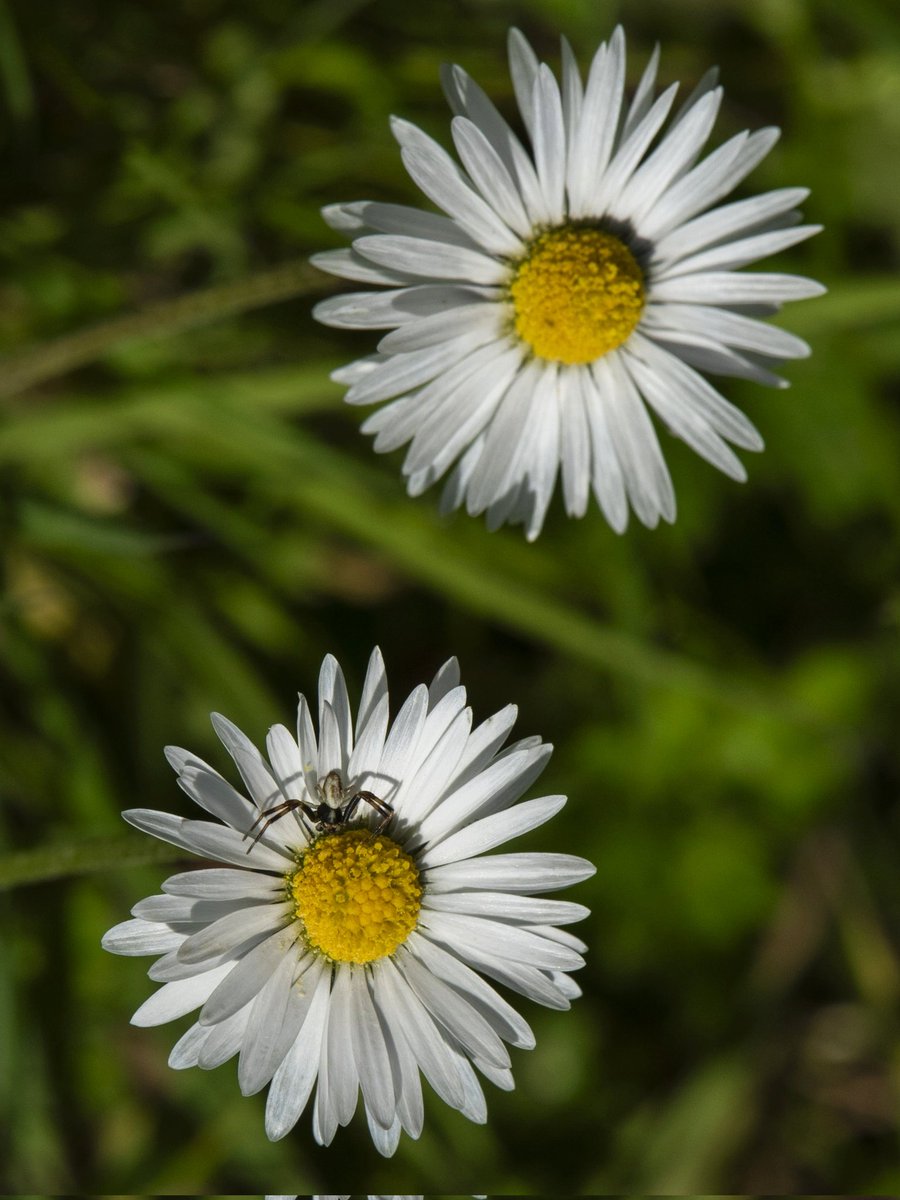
578 294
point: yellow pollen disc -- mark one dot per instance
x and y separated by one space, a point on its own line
358 896
577 295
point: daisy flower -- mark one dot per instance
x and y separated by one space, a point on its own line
344 946
567 289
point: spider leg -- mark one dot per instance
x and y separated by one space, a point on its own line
385 810
269 816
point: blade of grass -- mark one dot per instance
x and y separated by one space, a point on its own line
80 858
852 303
65 354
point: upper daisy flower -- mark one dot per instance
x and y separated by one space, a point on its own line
566 290
349 944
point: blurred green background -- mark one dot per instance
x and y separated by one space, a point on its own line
190 519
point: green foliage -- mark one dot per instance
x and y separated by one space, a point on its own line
190 520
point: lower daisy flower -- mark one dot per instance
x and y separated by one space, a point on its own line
565 292
345 945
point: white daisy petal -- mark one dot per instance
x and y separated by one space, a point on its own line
250 974
293 1081
233 932
419 794
286 763
501 940
174 1000
308 745
685 422
371 1053
385 310
372 216
671 158
404 1068
523 69
213 841
524 872
446 680
694 391
254 771
454 492
432 1053
443 709
435 260
715 177
644 472
271 1025
708 80
385 1140
223 1041
347 264
176 909
598 121
572 90
739 253
207 788
642 100
168 968
508 1023
728 220
141 937
374 690
431 332
509 907
632 150
333 692
342 1076
542 469
607 477
503 781
484 742
530 981
496 472
369 747
549 137
467 99
697 351
345 218
186 1051
729 288
401 742
491 831
445 432
490 174
454 1012
406 371
331 749
396 423
440 180
724 328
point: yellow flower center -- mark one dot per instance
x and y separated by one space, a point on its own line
577 295
358 896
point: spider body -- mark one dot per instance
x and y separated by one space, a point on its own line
335 810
